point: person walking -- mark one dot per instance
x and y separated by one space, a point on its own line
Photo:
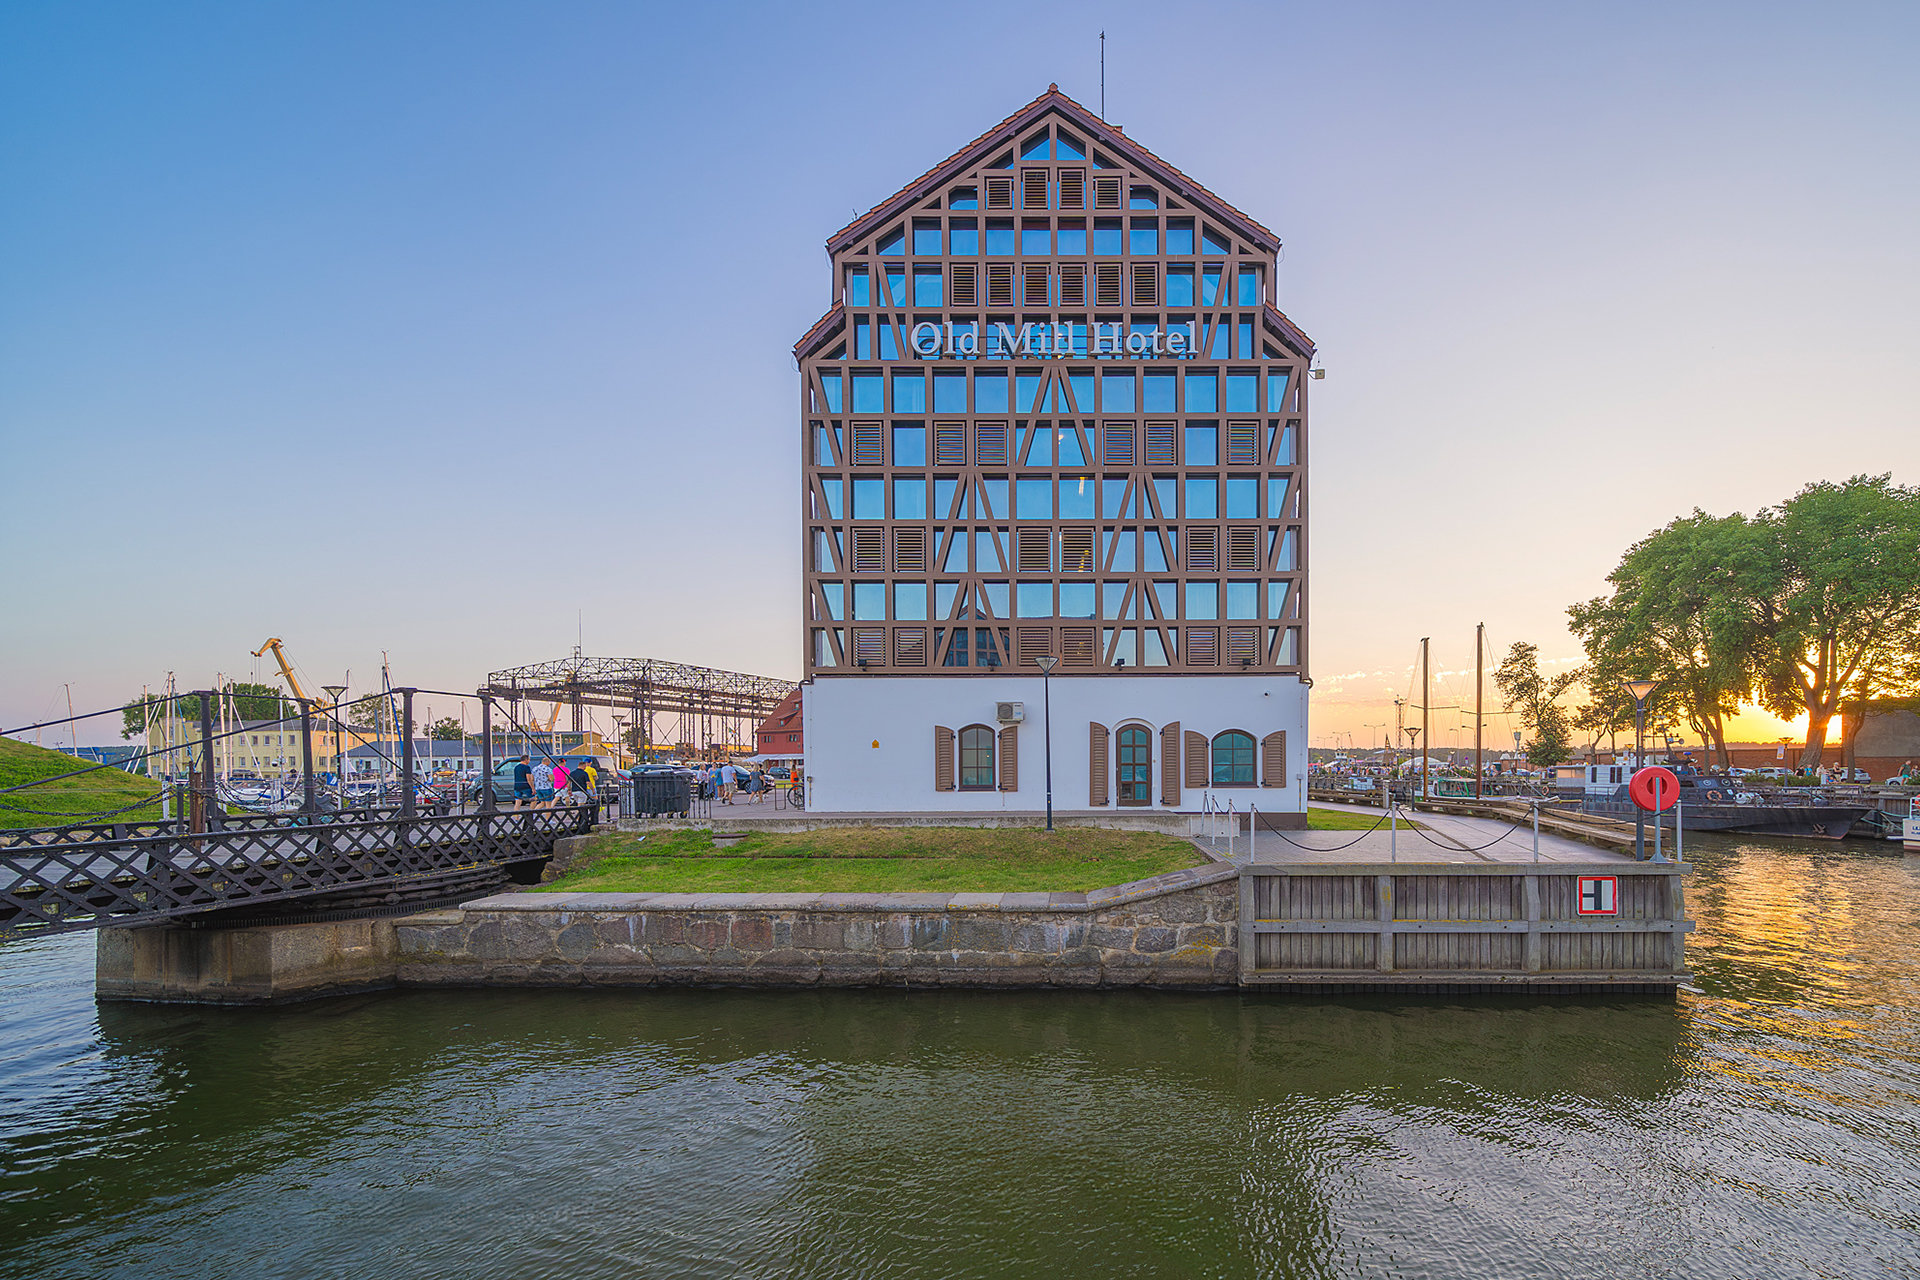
727 782
561 779
522 783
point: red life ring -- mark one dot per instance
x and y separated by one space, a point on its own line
1641 789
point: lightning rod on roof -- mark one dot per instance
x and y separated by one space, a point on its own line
1103 75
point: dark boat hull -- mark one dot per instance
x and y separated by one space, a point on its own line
1812 821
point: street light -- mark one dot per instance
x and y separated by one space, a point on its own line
1046 663
333 692
1639 691
1413 733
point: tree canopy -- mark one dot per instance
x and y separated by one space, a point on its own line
446 729
1535 698
250 702
1803 607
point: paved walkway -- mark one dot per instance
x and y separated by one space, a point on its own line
1444 838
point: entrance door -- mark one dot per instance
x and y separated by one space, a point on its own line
1136 766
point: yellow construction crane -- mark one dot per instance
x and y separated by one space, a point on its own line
286 669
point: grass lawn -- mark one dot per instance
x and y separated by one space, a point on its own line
875 860
1341 820
74 800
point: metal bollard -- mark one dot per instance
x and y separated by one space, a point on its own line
1536 831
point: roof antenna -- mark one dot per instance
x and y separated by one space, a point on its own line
1103 75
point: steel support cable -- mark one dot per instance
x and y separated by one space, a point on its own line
1336 848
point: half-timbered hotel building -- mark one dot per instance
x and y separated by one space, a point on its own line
1054 413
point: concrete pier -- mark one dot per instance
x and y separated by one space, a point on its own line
261 964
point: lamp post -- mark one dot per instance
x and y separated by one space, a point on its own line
1046 663
1639 691
1413 736
333 692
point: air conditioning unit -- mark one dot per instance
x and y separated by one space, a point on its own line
1010 712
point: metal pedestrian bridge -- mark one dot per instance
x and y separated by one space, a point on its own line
269 869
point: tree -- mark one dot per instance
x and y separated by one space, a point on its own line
1534 698
1677 615
250 702
377 717
1836 600
446 729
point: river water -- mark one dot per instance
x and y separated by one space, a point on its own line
1767 1126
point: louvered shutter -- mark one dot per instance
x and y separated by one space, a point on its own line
1035 643
1073 188
949 447
1035 285
1159 450
1273 759
1106 193
1000 193
1243 646
999 284
1203 548
1116 444
964 277
1196 760
869 550
1243 444
1243 549
1146 285
1106 284
1073 284
909 549
1033 550
1076 550
942 758
1170 764
910 647
1076 646
1096 764
869 444
1010 758
1203 646
870 645
990 447
1033 188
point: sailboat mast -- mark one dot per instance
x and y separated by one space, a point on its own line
1479 695
1426 700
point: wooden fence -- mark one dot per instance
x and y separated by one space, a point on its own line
1364 924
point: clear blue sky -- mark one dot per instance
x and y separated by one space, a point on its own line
432 328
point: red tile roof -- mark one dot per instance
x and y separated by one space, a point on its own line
821 327
1051 100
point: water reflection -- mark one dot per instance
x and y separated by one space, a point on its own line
1765 1126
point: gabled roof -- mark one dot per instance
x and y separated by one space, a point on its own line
1008 131
822 328
1295 336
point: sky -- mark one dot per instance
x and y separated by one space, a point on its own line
461 333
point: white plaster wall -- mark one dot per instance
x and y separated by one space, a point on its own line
846 716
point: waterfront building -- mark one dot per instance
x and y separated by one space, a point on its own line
781 735
1054 417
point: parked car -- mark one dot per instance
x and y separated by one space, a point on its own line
542 776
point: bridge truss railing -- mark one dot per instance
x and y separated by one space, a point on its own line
319 863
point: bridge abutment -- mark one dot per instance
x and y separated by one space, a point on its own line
255 964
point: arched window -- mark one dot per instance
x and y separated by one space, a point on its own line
1233 759
976 758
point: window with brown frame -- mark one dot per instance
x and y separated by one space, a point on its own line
1076 550
1073 188
1116 444
1073 284
909 549
1000 193
869 444
990 445
977 771
949 447
1203 549
1106 193
964 280
1034 285
999 284
1159 450
1146 285
1033 188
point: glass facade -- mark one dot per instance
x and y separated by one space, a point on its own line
1055 411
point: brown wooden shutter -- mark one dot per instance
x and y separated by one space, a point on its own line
1035 643
1033 188
869 550
1010 758
1116 444
990 447
999 284
1243 646
870 645
1243 549
1096 764
1159 451
1076 549
1034 284
1073 285
1106 284
1106 193
1076 646
1033 550
1203 646
1243 444
942 758
1203 548
869 444
949 448
1146 285
1073 188
1196 759
1273 759
909 549
1170 763
910 647
1000 193
965 280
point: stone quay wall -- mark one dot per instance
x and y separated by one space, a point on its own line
1178 930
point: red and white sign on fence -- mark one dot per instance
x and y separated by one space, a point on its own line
1599 895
